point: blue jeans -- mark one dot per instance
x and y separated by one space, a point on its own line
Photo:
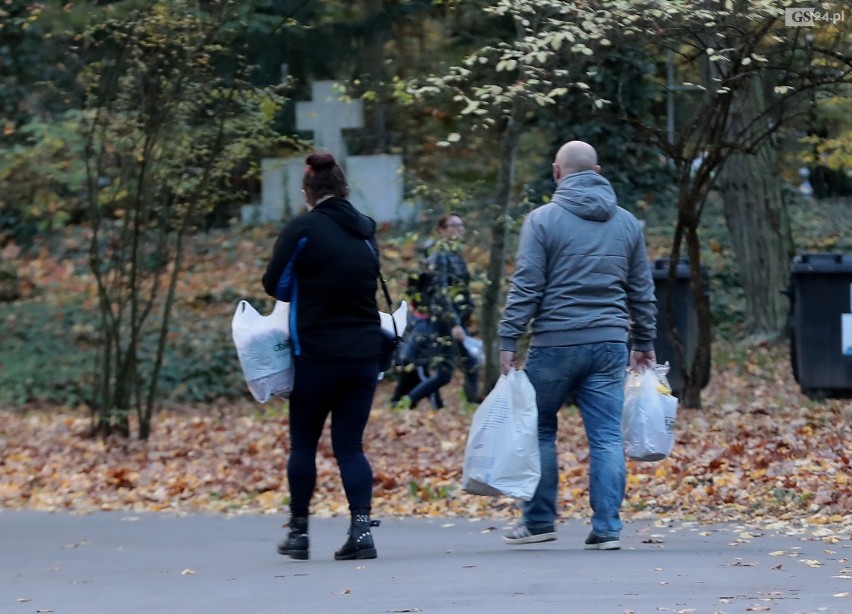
595 372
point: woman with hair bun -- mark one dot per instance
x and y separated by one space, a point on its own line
325 264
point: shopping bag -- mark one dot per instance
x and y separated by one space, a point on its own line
475 350
395 324
502 455
263 348
648 418
392 328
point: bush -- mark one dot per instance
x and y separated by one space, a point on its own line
48 356
44 356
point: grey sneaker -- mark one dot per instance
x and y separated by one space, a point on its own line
521 534
598 542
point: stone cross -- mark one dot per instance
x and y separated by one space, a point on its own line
376 182
327 115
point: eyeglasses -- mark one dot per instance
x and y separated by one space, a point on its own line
455 225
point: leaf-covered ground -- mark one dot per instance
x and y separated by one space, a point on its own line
757 452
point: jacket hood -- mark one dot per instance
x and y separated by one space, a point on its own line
342 211
587 195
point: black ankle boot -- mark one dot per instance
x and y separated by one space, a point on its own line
296 544
360 544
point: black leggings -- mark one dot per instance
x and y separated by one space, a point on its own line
345 390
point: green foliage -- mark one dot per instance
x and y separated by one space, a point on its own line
50 354
46 354
38 73
201 363
176 113
169 120
425 492
43 177
162 118
821 226
634 166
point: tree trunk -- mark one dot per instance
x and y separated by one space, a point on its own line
492 300
700 365
758 220
690 199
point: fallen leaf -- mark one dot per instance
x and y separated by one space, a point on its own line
772 449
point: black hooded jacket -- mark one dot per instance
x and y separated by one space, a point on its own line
323 267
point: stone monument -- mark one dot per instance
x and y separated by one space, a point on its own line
376 182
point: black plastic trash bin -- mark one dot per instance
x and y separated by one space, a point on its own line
820 323
685 317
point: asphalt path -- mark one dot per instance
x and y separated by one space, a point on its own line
134 563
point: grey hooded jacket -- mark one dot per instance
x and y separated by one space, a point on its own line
582 273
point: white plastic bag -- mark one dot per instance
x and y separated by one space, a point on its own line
475 349
400 318
648 419
502 455
263 347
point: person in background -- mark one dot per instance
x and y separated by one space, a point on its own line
582 277
442 310
325 264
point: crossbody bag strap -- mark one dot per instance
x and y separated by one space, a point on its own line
384 285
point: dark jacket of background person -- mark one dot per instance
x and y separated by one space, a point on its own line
449 289
323 267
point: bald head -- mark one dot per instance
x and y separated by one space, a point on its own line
573 157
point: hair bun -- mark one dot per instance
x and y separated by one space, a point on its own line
321 161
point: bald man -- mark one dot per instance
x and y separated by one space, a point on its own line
573 157
583 284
